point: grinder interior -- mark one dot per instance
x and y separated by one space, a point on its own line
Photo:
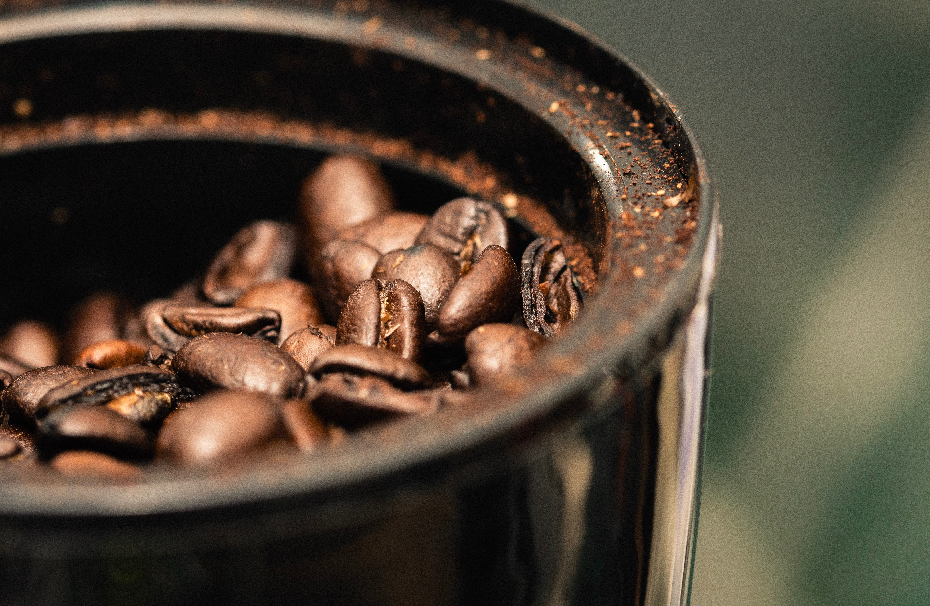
134 140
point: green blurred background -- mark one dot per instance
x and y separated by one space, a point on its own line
815 119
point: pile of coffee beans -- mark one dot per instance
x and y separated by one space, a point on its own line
295 335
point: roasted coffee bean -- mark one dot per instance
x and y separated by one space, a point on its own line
151 389
389 315
551 300
305 428
94 428
364 360
464 227
21 399
225 360
95 466
305 345
190 321
33 343
293 300
263 251
344 265
389 232
495 349
343 192
351 400
221 427
488 292
111 354
103 316
360 320
428 268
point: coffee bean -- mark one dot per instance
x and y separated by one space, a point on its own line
121 386
111 354
344 265
551 300
495 349
33 343
343 192
263 251
388 232
294 301
428 268
464 227
364 360
488 292
21 399
93 428
193 321
389 315
95 466
305 428
221 427
352 401
225 360
305 345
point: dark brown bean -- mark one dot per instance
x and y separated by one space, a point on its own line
389 232
495 349
364 360
104 387
262 251
305 345
102 316
464 227
551 300
293 300
389 315
33 343
360 320
95 466
303 426
21 399
221 427
344 265
344 191
351 400
428 268
193 321
111 354
225 360
489 292
94 428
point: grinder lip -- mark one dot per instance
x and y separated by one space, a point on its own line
418 451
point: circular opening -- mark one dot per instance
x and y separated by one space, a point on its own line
132 147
